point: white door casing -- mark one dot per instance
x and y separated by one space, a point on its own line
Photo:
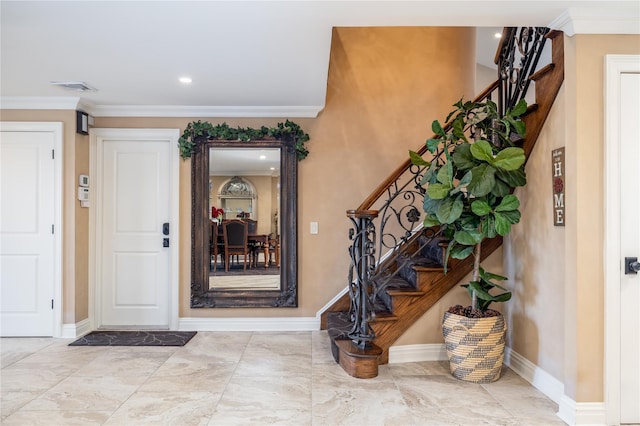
135 279
31 228
622 238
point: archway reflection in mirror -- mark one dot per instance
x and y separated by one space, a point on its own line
244 185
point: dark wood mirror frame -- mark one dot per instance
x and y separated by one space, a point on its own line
201 295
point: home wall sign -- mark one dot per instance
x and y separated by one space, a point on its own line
557 162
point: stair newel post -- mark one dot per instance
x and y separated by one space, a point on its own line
362 252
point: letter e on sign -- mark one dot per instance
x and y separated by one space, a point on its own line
557 178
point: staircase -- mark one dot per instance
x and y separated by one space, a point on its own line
397 267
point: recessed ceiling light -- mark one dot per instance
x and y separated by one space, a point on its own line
263 157
185 80
498 35
272 168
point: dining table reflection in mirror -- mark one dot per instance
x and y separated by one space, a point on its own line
244 195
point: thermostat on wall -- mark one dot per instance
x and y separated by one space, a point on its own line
83 194
83 180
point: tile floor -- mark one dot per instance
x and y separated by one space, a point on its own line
245 378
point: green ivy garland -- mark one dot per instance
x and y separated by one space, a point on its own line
195 129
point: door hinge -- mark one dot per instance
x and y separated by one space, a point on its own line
53 230
51 303
53 154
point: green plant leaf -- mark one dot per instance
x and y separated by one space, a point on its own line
503 225
458 129
510 158
519 109
431 220
512 216
432 144
482 180
417 159
481 293
513 177
450 210
431 205
491 276
488 226
482 151
438 191
436 127
500 189
445 175
463 183
480 207
509 202
468 238
461 252
462 157
519 127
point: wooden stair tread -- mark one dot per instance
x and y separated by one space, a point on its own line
384 316
541 72
421 268
404 292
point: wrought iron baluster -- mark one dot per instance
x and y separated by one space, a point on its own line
363 261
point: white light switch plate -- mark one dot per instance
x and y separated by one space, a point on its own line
313 228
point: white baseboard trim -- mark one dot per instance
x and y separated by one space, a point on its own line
417 353
73 331
250 324
540 379
582 413
571 412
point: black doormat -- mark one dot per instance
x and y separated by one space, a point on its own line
135 338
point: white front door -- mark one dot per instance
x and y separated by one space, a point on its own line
136 225
29 199
622 238
630 247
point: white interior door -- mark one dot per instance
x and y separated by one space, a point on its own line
28 261
622 238
630 247
135 271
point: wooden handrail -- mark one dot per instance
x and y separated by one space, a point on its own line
377 193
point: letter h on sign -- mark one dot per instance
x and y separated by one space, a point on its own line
557 161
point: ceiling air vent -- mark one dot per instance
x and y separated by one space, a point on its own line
77 86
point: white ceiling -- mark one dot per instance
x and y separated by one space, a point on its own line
246 58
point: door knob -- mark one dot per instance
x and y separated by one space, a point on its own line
631 265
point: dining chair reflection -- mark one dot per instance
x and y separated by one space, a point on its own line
235 233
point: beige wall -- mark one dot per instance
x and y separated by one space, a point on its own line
557 315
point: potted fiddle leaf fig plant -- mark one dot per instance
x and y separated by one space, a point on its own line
469 179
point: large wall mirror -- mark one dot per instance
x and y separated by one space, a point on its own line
255 183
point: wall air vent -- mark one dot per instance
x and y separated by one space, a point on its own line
77 86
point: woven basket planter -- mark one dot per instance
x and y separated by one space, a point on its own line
475 346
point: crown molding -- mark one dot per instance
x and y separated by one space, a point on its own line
39 102
73 103
598 20
298 111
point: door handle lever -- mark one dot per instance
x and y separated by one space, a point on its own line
631 265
